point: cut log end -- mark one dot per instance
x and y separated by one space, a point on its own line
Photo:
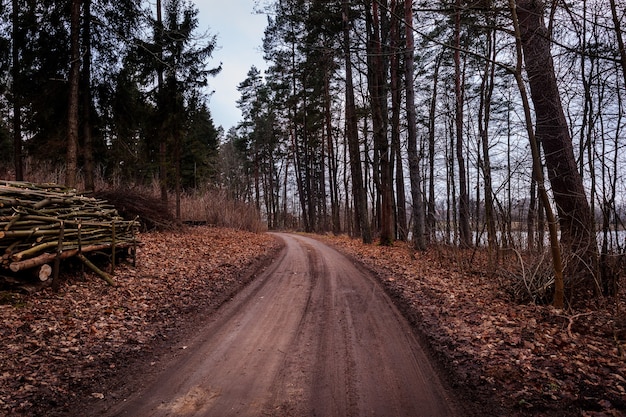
45 271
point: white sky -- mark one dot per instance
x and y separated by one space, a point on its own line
239 38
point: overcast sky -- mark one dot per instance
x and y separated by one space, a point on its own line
239 38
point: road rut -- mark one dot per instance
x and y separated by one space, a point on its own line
313 335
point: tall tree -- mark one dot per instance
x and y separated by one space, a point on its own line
17 101
199 164
88 150
432 115
185 71
575 218
419 236
252 105
377 76
333 164
361 223
71 163
177 58
395 64
484 118
159 39
464 212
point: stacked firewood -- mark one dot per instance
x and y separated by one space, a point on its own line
42 224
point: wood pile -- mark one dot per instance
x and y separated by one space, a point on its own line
42 224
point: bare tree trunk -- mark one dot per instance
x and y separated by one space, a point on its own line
86 91
17 94
160 103
378 99
396 102
464 227
610 279
419 237
559 293
332 159
300 172
352 135
285 182
348 220
309 196
17 102
257 176
451 215
71 162
432 220
483 127
531 217
575 217
177 160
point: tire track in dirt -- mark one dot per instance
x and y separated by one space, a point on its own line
312 336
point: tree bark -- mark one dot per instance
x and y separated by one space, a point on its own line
432 219
332 159
17 94
557 262
396 103
162 138
464 227
578 236
419 237
86 80
361 222
484 117
378 102
71 162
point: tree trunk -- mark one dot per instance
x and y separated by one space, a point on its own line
162 138
332 159
531 217
451 212
177 160
17 94
72 111
578 236
86 80
419 238
557 262
464 227
483 127
361 222
432 219
378 100
396 103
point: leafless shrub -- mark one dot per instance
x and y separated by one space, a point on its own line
531 279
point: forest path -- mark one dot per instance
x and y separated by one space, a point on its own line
313 335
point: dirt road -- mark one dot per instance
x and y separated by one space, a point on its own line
312 336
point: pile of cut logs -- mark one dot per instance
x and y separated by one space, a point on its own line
42 224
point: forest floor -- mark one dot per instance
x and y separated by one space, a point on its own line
60 351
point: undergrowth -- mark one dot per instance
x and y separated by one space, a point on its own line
209 206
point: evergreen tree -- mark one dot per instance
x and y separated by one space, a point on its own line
200 147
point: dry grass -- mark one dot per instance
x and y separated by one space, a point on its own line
215 208
210 206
